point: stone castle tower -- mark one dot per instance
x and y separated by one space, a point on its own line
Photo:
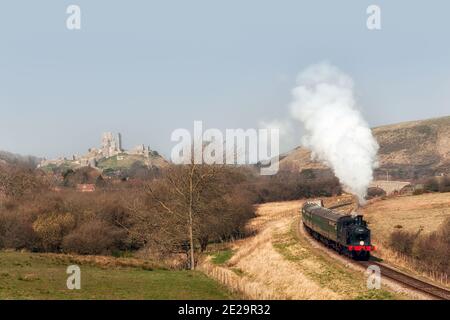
111 145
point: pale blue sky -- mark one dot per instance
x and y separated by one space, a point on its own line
145 68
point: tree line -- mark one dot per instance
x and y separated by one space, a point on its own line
170 216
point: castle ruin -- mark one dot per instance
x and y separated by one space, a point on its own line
111 146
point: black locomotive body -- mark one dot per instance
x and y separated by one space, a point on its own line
347 234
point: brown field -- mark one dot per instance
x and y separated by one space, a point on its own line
280 263
424 212
411 213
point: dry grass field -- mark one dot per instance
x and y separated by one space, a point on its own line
279 263
411 213
424 212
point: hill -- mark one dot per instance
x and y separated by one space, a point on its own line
110 157
126 161
118 165
16 159
408 150
131 165
415 149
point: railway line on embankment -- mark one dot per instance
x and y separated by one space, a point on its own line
422 287
413 283
280 260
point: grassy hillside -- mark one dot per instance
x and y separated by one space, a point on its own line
414 149
426 212
39 276
125 161
115 164
409 150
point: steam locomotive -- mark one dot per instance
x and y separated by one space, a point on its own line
347 234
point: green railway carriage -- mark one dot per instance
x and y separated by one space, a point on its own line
347 234
322 220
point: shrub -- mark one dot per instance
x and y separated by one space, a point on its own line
402 241
434 249
373 192
286 185
16 181
444 185
94 237
431 250
51 229
437 184
16 231
431 184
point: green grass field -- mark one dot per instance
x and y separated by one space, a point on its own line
38 276
220 257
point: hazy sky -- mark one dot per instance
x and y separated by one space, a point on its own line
145 68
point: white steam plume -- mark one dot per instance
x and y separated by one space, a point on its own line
336 133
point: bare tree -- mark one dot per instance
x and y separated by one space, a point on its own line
16 181
190 190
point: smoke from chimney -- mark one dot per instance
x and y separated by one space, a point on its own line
335 131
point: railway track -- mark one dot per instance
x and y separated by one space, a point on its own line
409 281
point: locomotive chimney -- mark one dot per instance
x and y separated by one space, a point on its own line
359 220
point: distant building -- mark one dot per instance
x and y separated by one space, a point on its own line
111 146
140 150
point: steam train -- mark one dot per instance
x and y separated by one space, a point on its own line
347 234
